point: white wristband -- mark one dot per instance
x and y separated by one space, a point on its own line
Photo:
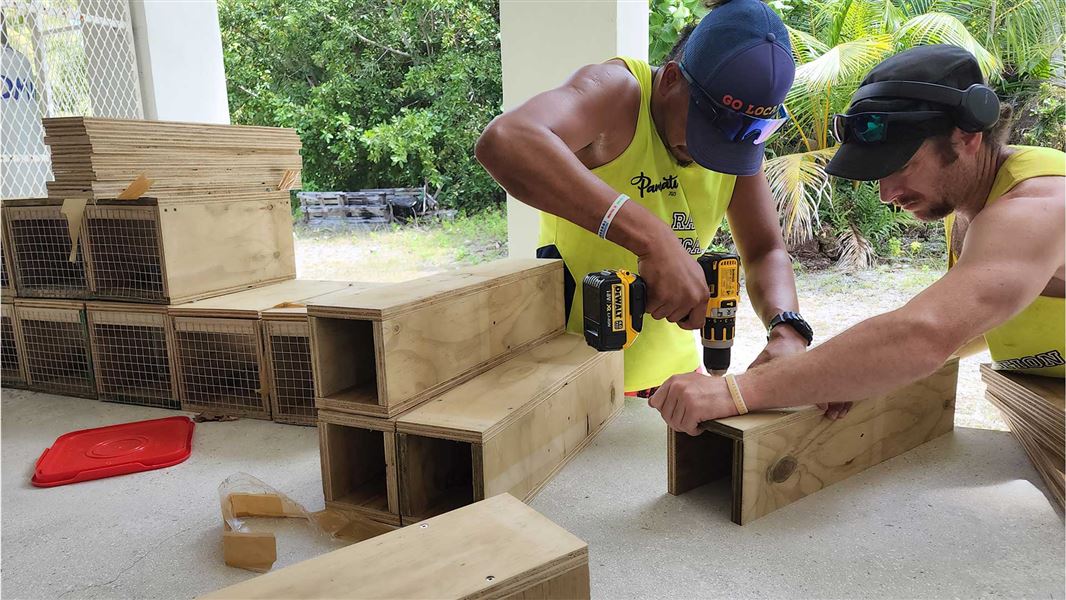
611 212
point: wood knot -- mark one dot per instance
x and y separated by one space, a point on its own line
781 470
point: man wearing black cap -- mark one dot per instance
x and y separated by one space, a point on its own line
927 128
634 167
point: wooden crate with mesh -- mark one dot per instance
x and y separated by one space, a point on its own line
221 361
13 372
55 340
172 252
40 248
133 354
7 275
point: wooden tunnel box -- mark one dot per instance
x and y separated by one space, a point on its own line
133 354
55 340
287 341
13 373
385 350
776 457
220 358
39 237
497 548
174 252
1035 409
358 457
510 429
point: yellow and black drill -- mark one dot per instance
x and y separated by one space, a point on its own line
615 301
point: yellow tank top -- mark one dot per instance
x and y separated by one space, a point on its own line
1034 340
691 199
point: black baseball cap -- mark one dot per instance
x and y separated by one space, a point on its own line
941 64
739 64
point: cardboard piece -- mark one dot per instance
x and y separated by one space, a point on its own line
73 209
136 188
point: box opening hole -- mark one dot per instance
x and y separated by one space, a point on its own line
436 475
346 368
356 465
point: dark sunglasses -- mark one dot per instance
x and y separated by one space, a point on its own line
738 127
873 127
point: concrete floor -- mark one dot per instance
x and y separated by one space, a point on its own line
963 516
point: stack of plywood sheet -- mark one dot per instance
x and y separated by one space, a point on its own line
1035 410
441 391
98 158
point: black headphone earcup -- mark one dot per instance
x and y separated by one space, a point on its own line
979 110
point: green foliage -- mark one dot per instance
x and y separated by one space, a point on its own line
864 224
895 247
1042 121
665 22
384 93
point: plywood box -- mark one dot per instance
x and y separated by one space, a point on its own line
13 372
133 354
383 351
175 252
358 456
287 338
40 246
497 548
220 359
776 457
509 429
56 342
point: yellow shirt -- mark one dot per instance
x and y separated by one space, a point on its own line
1034 340
692 200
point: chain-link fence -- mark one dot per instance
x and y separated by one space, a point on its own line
59 58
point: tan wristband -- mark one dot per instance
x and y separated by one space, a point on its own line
734 391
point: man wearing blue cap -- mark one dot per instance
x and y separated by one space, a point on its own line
634 167
924 124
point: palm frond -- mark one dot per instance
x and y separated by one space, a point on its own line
844 63
891 17
942 28
805 47
856 252
799 183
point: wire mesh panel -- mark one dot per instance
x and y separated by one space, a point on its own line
123 247
11 372
60 58
292 385
56 350
220 366
40 247
132 356
5 278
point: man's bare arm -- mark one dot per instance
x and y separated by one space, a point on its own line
531 150
1011 251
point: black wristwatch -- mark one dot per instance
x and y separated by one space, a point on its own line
795 321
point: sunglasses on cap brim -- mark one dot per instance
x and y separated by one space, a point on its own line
737 126
873 127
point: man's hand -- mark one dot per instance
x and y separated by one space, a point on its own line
685 401
677 288
784 340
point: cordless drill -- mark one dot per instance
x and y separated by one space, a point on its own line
615 301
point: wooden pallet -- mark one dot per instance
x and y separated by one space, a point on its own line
172 253
220 357
497 548
98 158
1035 409
510 429
55 339
133 354
383 351
776 457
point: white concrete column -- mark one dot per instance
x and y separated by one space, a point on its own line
542 43
179 58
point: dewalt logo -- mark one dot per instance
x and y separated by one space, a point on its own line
617 310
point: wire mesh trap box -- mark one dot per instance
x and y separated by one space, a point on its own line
13 372
177 251
40 251
55 340
776 457
358 456
7 273
133 354
380 352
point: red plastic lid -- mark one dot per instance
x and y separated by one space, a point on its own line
114 450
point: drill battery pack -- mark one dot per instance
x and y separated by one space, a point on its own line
614 304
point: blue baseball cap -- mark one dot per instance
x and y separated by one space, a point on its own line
738 62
